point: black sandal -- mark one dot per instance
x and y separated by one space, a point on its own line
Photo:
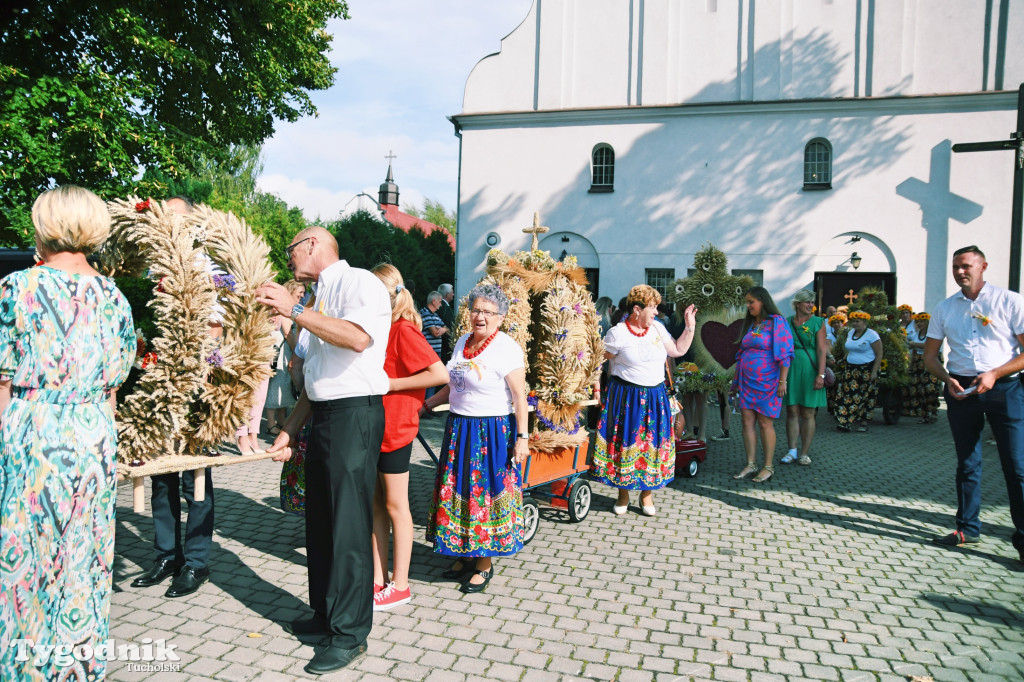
470 588
456 573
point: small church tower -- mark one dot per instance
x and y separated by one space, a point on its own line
388 194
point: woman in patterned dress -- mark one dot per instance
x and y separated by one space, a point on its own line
634 448
805 390
478 493
923 392
855 388
66 344
762 365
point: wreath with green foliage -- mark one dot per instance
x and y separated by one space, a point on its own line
895 370
198 390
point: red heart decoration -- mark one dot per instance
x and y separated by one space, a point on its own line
721 341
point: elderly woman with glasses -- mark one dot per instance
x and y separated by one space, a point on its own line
634 448
477 506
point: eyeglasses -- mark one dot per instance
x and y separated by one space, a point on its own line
486 313
288 249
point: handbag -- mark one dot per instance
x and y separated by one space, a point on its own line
673 401
830 376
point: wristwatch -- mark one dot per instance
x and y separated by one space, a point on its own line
523 436
297 310
821 376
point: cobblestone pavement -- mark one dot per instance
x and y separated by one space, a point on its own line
824 573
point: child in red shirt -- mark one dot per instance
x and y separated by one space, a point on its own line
412 366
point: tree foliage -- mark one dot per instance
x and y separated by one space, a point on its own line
433 211
90 93
364 241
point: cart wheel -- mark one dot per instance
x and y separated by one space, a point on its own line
691 468
531 519
892 405
579 500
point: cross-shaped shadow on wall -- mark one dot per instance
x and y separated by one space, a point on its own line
938 205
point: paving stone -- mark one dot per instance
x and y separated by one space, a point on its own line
824 574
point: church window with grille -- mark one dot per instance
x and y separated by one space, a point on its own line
818 164
660 279
602 169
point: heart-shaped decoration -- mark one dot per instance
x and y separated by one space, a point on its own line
721 341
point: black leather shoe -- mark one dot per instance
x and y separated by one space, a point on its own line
468 566
333 658
157 573
470 588
955 539
188 581
307 627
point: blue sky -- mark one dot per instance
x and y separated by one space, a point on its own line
402 68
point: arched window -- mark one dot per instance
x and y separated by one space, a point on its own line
818 164
602 169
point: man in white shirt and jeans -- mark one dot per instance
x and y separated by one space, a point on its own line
344 381
984 325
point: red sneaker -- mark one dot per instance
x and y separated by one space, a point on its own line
377 588
390 597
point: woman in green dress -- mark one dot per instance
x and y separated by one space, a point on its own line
66 344
806 377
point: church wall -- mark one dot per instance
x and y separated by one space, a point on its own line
614 53
733 176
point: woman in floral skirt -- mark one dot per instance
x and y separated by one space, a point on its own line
922 395
855 389
477 505
634 448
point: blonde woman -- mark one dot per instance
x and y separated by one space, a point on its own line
280 392
412 366
806 379
66 344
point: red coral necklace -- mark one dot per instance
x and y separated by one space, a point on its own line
635 333
470 354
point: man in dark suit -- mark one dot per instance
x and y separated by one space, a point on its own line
447 315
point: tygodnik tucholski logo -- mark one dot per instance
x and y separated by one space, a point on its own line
147 655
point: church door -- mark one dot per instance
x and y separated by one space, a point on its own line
836 288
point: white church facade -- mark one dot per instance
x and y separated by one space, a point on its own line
801 137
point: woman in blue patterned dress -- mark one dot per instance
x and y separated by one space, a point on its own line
634 449
66 344
762 364
477 507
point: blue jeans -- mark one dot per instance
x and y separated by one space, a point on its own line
1004 408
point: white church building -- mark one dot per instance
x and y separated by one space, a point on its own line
810 140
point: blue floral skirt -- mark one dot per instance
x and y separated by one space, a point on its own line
477 506
293 475
634 448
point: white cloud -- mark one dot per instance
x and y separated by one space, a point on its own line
402 66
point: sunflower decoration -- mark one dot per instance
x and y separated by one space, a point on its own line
193 390
552 317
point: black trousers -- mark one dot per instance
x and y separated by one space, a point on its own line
167 492
341 471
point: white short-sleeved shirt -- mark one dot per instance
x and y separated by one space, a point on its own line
829 334
478 387
914 336
302 345
355 295
858 351
638 359
975 347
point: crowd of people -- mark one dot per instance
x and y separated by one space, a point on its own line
356 366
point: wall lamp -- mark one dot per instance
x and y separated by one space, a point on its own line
853 260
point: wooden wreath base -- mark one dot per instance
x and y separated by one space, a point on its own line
172 464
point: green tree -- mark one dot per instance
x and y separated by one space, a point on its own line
364 241
433 211
92 92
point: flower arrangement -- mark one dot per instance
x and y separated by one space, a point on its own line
859 315
873 305
906 307
985 319
922 316
838 317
